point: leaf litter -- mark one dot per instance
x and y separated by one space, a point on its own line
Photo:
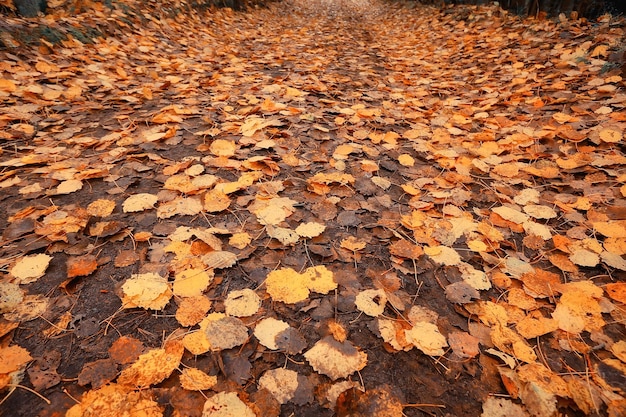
350 208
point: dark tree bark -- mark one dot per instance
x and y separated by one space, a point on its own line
30 8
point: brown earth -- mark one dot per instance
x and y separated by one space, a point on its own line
402 130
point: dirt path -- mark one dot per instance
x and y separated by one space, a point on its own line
427 202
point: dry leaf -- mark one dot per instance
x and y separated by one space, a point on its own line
281 383
113 401
139 202
149 291
242 303
226 404
334 359
195 380
427 338
371 302
226 333
153 366
30 268
192 282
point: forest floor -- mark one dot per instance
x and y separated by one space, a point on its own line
349 207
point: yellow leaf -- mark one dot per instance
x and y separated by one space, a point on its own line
222 147
268 329
30 268
194 379
113 401
192 282
281 383
240 240
334 359
353 244
216 201
69 186
150 291
319 279
406 160
242 303
101 208
287 285
427 338
139 202
226 404
191 310
371 302
310 229
153 366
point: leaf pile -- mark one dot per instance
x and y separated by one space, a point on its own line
321 207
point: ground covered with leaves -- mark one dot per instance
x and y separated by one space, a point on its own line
350 208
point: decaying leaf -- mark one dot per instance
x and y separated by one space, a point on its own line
194 379
153 366
242 303
115 400
30 268
192 282
226 404
150 291
225 333
139 202
427 338
282 383
267 331
334 359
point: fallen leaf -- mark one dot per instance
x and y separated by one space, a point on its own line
334 359
30 268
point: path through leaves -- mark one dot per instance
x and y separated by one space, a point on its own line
351 208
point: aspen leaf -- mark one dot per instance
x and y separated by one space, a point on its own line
182 206
281 383
139 202
443 255
371 302
81 266
583 257
115 400
242 303
406 160
510 214
194 379
153 366
310 229
267 330
319 279
381 182
617 291
101 208
427 338
219 259
352 243
69 186
12 358
149 291
287 285
282 234
226 333
191 310
240 240
216 201
226 404
334 359
539 212
10 296
30 268
192 282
